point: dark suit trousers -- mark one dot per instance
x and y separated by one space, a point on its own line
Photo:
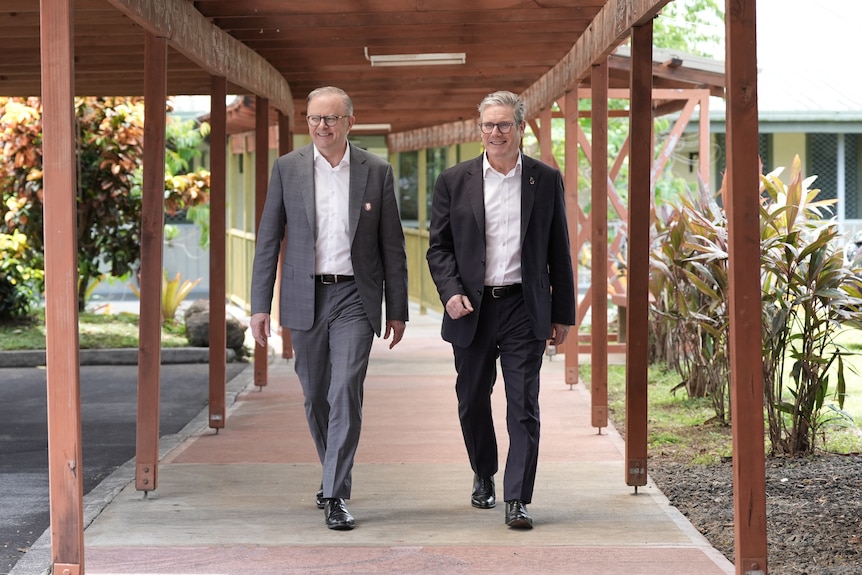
503 331
331 360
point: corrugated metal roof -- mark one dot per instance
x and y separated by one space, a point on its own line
806 54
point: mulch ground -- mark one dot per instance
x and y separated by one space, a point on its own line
813 509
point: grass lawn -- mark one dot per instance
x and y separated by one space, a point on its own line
96 331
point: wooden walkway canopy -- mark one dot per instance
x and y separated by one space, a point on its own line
278 51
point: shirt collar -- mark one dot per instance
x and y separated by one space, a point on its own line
486 166
345 160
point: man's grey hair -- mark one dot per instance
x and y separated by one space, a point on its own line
504 98
332 91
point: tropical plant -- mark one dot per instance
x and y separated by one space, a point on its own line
688 288
109 150
174 292
808 294
20 284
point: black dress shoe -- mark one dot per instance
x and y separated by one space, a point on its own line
517 516
337 515
483 492
321 502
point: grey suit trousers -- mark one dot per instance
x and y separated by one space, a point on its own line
331 360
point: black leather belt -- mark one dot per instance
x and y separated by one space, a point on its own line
499 292
327 279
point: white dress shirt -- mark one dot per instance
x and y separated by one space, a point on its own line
331 202
502 224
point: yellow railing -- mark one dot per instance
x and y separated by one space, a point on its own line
240 257
421 286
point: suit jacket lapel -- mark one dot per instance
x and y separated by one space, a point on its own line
358 182
305 179
529 182
476 192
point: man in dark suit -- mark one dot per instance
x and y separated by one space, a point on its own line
499 255
335 206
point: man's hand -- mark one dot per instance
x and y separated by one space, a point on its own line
458 306
259 324
559 332
396 328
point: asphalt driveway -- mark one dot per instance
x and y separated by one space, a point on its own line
108 414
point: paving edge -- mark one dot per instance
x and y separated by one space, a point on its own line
123 356
38 559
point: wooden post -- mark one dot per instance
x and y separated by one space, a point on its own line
743 223
218 275
261 178
65 471
572 346
637 329
152 235
599 246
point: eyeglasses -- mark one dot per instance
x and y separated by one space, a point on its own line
330 121
504 127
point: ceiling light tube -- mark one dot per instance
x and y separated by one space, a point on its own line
426 59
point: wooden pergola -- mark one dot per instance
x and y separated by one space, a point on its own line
274 50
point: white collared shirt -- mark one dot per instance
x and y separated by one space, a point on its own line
331 202
502 224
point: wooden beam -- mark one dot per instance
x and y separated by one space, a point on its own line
213 49
609 28
228 8
218 254
637 289
65 468
152 239
743 224
599 245
703 158
572 347
341 22
261 178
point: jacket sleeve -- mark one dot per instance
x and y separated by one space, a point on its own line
560 271
268 245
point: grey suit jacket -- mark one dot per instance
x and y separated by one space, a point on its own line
456 252
377 240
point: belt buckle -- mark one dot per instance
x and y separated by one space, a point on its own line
323 279
499 292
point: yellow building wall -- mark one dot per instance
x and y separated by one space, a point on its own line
785 147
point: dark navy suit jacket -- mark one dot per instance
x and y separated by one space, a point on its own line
456 253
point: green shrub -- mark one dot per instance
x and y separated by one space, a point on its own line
808 296
688 285
20 284
808 293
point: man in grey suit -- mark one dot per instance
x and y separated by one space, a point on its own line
499 255
334 204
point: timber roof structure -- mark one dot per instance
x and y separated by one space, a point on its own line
282 50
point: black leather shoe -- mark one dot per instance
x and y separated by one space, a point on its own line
483 492
337 515
517 516
321 502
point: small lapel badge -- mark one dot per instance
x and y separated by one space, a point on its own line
368 206
532 181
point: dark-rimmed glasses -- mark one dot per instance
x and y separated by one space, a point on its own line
504 127
330 121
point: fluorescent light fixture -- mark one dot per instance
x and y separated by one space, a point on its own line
371 128
427 59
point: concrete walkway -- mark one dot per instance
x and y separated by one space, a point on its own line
242 501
